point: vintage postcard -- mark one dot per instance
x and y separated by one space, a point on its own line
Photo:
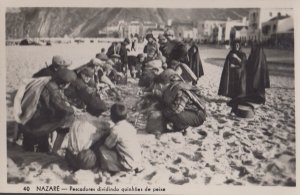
149 97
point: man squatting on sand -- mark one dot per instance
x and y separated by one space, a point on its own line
71 102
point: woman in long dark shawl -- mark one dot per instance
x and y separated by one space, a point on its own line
257 75
194 60
233 79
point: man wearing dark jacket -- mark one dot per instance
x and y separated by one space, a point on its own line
120 49
52 112
83 93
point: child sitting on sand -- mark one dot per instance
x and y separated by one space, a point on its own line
121 150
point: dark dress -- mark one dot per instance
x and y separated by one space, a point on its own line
257 75
195 63
233 78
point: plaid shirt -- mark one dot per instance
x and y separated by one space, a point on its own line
180 102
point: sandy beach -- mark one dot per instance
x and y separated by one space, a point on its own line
225 150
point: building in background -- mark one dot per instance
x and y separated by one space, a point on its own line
220 31
147 26
234 26
135 28
184 30
239 33
211 30
278 30
155 31
258 16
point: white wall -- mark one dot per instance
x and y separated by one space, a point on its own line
285 24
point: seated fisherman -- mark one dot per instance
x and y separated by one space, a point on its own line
121 150
103 73
184 71
135 64
183 105
58 62
42 108
81 93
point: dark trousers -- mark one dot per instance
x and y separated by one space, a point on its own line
30 141
186 118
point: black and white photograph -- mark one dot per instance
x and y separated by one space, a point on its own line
99 97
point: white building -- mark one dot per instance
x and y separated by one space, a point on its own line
207 29
219 30
232 24
276 25
155 31
258 16
134 27
239 32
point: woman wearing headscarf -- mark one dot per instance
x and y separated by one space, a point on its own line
257 75
194 60
233 78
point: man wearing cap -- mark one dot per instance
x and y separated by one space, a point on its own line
58 62
151 49
44 109
84 95
121 50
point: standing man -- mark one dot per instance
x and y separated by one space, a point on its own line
124 55
151 49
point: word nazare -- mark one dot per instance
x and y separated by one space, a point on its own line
48 188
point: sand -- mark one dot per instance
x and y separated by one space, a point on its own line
225 150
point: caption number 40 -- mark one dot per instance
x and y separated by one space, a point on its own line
26 188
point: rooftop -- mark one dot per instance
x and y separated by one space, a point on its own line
279 17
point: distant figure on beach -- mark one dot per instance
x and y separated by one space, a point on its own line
133 44
151 49
257 75
233 78
194 60
102 55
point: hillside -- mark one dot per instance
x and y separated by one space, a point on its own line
86 22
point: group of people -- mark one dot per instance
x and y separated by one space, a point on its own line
71 102
245 80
